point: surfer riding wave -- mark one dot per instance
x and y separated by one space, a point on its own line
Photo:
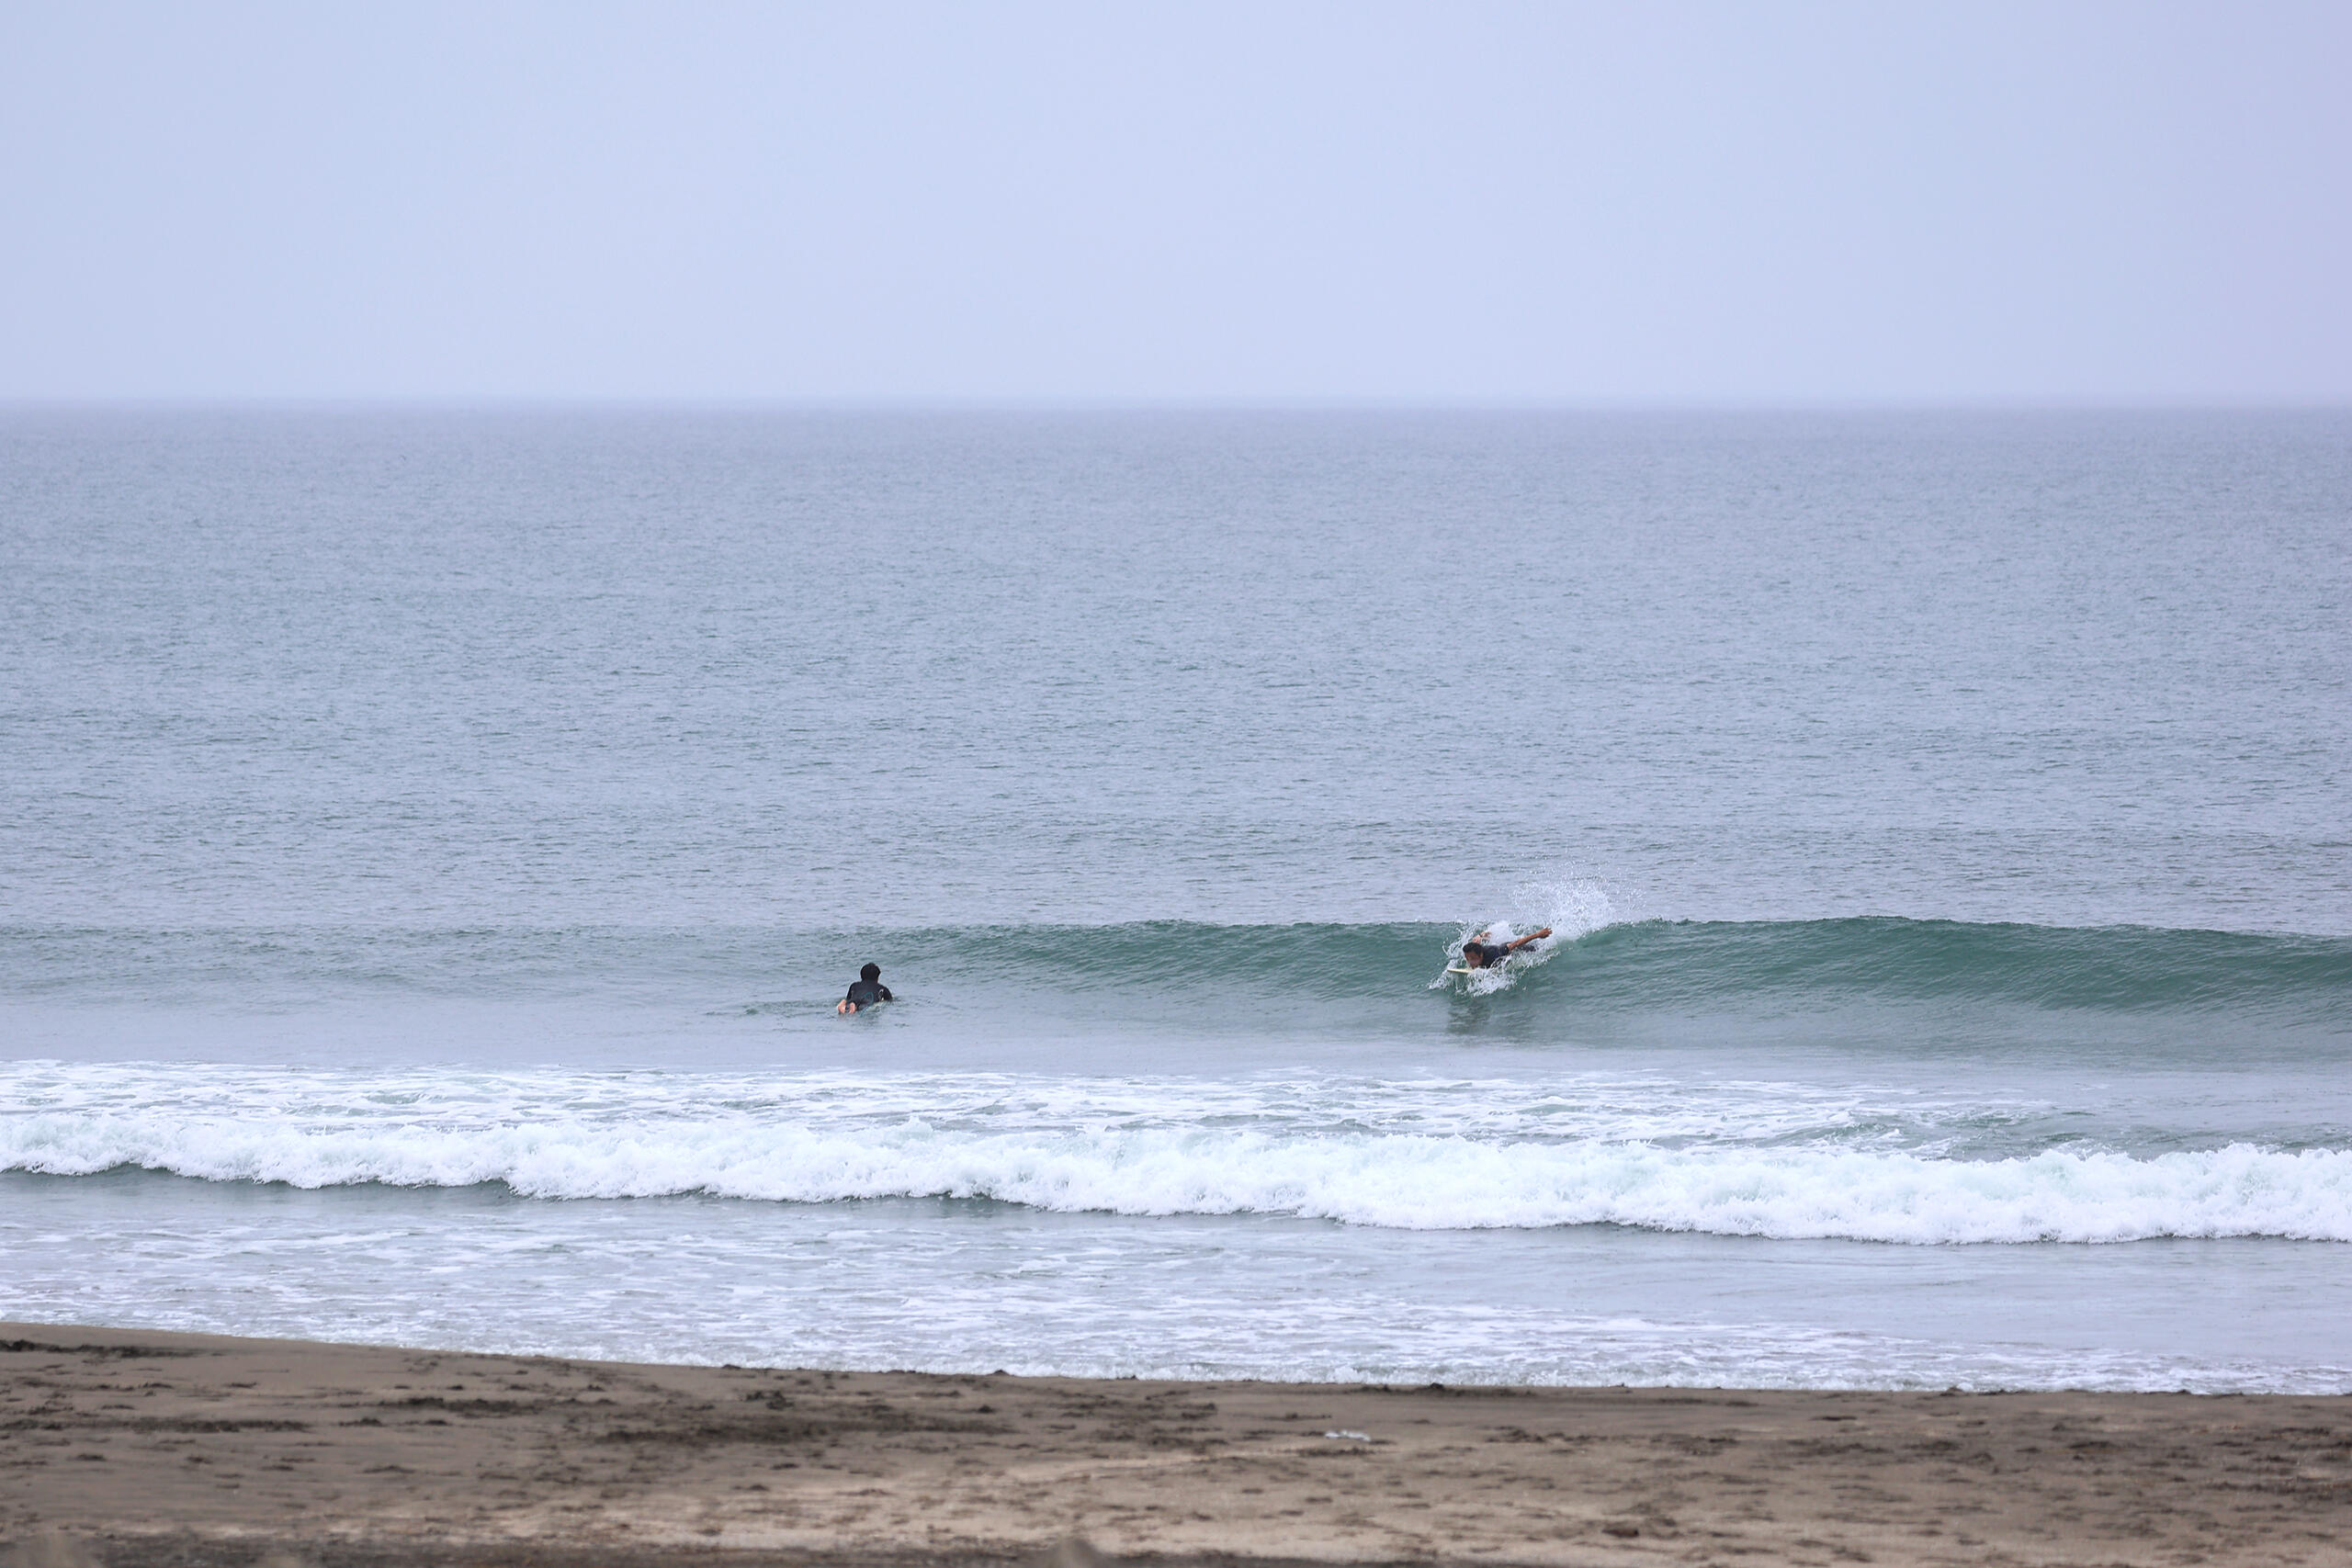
1481 952
1490 956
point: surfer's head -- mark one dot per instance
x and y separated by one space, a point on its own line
871 972
1474 955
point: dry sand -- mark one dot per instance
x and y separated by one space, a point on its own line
123 1447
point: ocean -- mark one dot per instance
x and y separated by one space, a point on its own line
432 841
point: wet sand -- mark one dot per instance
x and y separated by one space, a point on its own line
123 1447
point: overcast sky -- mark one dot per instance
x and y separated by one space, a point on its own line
1745 202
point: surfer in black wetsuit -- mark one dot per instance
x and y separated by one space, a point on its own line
863 991
1480 953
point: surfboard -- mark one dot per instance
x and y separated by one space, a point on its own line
1461 969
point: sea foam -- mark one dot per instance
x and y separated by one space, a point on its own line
1737 1159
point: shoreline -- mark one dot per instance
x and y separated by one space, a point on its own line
130 1447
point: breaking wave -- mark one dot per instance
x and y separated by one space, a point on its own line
1593 962
1747 1159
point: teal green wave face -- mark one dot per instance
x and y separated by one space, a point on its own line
1877 985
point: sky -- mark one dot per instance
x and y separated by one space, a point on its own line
1571 203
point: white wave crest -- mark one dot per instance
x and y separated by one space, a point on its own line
1289 1150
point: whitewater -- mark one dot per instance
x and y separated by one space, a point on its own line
1731 1159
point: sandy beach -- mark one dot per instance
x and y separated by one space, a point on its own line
128 1447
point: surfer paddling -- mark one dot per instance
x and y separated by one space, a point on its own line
1480 953
863 991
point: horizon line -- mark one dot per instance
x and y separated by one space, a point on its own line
1067 404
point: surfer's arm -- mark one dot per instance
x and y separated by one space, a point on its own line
1522 942
885 993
